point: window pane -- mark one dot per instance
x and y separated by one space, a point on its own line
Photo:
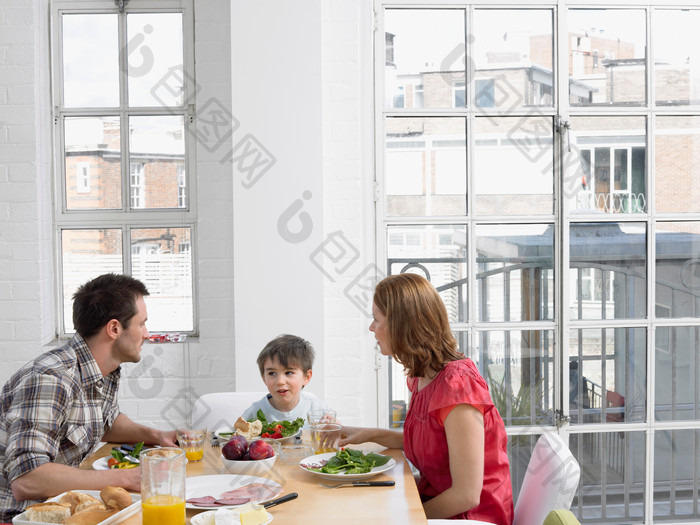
607 57
425 58
85 255
439 253
677 357
606 171
90 60
155 59
677 269
615 285
162 259
514 272
513 57
676 46
157 155
607 375
514 166
93 163
675 475
677 160
426 163
613 476
519 368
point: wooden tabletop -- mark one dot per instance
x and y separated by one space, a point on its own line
399 504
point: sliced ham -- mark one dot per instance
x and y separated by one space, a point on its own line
231 501
253 491
206 501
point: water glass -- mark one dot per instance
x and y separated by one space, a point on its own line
316 417
163 477
325 437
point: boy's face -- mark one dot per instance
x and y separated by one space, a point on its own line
284 383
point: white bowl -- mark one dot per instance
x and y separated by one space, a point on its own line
250 467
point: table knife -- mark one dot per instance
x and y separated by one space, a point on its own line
283 499
362 484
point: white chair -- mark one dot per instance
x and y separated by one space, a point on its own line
550 481
222 409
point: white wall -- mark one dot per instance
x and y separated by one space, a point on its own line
304 91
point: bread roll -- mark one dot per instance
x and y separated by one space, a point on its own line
90 516
115 497
48 512
77 500
85 506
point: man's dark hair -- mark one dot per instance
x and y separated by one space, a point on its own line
109 296
290 350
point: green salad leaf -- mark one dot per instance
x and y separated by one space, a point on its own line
283 428
350 461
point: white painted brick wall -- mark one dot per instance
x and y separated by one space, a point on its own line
350 376
158 390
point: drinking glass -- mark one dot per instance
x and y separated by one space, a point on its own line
191 440
163 477
325 437
316 417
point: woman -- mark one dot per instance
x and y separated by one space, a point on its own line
453 433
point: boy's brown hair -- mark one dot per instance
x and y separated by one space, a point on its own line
290 350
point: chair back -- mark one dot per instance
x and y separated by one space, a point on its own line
550 482
222 409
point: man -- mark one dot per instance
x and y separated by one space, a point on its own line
55 409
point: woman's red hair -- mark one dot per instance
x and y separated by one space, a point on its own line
419 330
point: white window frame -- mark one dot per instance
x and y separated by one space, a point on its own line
566 291
128 217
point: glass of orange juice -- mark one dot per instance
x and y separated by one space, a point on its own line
325 437
163 477
191 440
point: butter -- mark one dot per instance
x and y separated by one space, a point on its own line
252 514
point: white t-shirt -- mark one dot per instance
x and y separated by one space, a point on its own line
307 402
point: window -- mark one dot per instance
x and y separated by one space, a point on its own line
123 150
552 196
83 177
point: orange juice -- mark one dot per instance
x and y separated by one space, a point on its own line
162 510
194 454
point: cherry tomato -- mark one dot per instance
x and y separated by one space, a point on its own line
112 462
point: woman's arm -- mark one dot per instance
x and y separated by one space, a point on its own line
464 427
124 430
385 437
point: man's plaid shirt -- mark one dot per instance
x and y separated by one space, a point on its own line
54 409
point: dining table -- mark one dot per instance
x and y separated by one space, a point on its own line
397 504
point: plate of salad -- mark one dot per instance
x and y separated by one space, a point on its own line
119 459
281 431
347 464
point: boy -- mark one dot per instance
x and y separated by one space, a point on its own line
285 366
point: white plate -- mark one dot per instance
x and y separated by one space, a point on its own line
349 477
101 463
112 520
215 485
228 430
203 518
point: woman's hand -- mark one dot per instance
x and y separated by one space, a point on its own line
353 435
